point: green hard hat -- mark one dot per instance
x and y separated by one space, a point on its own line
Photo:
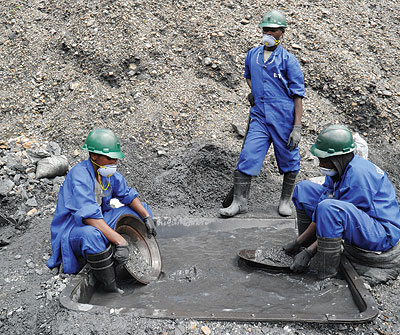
103 142
273 19
334 140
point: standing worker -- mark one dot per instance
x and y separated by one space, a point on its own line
82 229
357 203
277 89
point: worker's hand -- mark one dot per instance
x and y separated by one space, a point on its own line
250 97
121 254
150 226
294 137
292 248
301 260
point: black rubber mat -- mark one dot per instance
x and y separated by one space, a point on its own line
202 278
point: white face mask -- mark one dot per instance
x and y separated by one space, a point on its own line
269 41
328 172
107 170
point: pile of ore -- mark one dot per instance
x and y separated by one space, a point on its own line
30 176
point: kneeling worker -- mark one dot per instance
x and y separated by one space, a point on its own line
84 221
357 203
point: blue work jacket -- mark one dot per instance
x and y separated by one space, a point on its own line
368 188
274 82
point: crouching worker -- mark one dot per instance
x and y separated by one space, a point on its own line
82 229
356 203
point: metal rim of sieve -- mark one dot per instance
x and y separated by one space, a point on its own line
132 227
248 256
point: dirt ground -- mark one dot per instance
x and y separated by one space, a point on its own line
29 291
167 78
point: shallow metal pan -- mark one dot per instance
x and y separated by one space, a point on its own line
135 232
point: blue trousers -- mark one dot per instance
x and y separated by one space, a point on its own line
88 239
336 218
256 146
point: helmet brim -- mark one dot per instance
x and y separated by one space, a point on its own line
112 155
318 153
323 154
271 25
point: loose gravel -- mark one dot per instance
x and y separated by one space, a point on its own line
167 78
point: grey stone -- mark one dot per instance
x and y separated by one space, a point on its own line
6 185
31 202
207 61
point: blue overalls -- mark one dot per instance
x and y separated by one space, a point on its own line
70 237
274 84
361 207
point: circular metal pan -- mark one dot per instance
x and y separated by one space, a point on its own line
249 258
145 258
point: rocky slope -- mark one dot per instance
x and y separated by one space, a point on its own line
167 78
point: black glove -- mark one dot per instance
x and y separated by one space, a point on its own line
250 97
292 248
121 254
301 261
294 137
150 226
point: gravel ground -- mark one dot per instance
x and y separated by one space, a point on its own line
167 78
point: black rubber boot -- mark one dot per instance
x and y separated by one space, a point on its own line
303 221
289 179
240 195
328 256
102 266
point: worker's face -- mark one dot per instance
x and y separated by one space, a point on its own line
326 163
275 32
103 160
